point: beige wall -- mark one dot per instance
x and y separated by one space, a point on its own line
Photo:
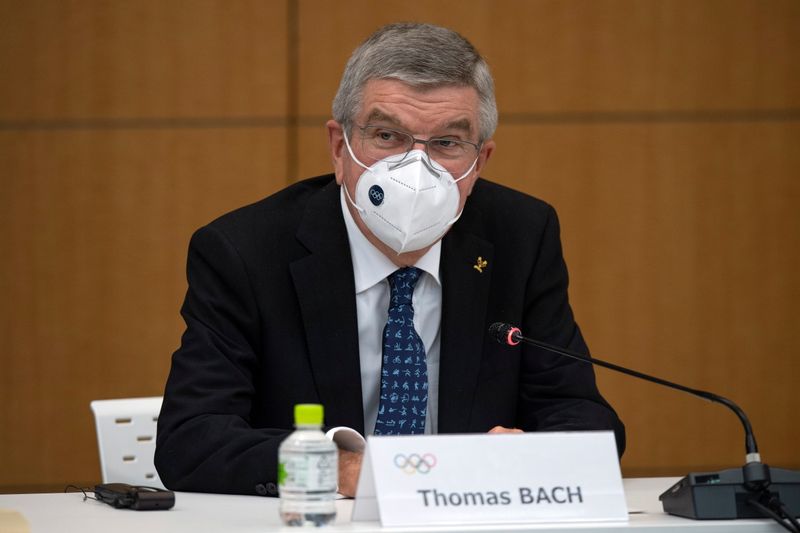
665 132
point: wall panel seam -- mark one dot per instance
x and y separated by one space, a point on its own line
292 90
293 121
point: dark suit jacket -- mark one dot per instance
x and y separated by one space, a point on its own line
271 322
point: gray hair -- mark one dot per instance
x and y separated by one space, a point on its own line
423 56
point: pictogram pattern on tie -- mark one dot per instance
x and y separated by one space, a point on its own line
404 374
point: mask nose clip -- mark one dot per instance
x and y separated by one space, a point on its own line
411 160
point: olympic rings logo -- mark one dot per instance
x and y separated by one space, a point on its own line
376 195
415 463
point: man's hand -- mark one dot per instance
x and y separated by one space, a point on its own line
501 429
349 468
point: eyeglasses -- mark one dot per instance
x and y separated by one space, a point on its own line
447 154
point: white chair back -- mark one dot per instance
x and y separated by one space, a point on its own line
126 438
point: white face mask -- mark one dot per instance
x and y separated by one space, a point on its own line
407 205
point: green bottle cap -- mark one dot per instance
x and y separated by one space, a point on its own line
306 414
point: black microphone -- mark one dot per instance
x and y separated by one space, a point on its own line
752 491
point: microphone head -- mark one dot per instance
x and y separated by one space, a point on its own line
505 333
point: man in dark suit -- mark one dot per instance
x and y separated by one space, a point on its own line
294 299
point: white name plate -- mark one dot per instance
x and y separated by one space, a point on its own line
497 478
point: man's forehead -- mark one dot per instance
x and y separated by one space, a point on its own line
380 116
397 104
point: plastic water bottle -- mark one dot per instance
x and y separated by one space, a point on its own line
308 470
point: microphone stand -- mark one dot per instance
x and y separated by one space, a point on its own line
753 491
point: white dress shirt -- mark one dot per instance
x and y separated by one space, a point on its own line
371 268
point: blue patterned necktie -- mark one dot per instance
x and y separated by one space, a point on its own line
404 375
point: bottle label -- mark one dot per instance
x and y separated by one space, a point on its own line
312 472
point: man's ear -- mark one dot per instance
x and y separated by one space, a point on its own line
486 152
337 148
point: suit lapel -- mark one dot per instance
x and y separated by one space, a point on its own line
465 292
326 293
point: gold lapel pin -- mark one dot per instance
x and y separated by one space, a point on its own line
480 264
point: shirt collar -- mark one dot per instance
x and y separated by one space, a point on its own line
370 266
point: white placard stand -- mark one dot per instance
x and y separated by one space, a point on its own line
490 478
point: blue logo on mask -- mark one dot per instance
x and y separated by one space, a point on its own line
376 195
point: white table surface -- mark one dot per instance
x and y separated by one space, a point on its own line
201 513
